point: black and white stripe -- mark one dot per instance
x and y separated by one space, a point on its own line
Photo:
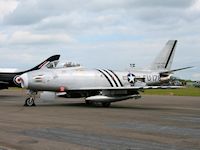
112 78
111 84
116 78
173 48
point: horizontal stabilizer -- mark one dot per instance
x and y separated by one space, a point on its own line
174 70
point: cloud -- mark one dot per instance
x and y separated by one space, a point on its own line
33 11
196 76
169 3
7 6
41 9
131 31
27 12
196 6
25 37
2 38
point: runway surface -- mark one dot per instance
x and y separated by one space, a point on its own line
153 123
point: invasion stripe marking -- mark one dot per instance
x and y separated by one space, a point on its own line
171 53
106 77
116 77
111 77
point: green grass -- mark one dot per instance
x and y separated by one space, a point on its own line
176 92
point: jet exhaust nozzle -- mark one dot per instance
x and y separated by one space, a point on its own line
166 78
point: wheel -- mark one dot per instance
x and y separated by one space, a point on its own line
88 102
106 104
29 102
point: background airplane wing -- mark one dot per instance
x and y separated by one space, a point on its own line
3 85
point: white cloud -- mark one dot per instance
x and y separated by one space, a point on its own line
2 38
25 37
7 6
133 31
196 76
196 6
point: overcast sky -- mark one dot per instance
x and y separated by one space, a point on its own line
99 33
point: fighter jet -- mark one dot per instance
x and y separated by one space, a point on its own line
10 77
197 84
101 85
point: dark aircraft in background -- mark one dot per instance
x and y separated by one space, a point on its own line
197 84
9 78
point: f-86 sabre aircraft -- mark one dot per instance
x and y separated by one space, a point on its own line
10 77
101 85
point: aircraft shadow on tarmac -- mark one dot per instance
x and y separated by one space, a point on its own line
114 106
8 96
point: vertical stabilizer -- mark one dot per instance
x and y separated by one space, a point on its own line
165 58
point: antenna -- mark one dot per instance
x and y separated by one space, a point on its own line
132 65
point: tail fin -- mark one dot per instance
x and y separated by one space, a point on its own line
165 58
44 63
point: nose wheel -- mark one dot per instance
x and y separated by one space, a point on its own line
30 101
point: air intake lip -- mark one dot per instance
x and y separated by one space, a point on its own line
24 80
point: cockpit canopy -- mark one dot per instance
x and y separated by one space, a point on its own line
68 64
52 64
57 64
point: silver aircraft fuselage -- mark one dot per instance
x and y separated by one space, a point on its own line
78 78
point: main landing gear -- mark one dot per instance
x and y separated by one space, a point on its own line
30 101
106 104
103 104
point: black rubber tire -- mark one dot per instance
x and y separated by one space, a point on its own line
106 104
29 102
87 102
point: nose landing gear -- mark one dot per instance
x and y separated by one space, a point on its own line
30 101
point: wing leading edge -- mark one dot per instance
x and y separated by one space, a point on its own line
131 88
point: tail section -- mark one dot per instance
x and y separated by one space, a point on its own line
165 58
45 63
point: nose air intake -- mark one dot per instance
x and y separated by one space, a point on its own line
24 80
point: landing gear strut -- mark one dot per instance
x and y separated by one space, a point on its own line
106 104
88 102
30 101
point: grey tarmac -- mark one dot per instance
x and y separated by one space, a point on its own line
153 123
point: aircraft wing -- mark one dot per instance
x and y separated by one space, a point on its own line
136 88
174 70
114 94
3 85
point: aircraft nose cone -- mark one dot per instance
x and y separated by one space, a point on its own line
24 80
